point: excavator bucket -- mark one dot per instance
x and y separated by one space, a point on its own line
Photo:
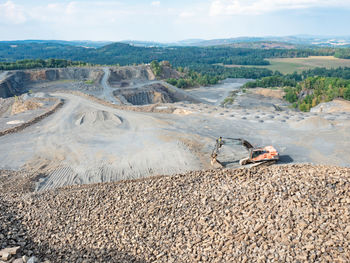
216 163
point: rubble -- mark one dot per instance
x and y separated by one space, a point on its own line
284 213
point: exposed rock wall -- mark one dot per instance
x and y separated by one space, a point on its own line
95 74
16 82
13 84
158 92
118 74
150 94
169 72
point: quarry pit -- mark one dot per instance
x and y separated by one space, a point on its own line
111 164
122 123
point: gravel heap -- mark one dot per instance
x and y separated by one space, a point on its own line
291 213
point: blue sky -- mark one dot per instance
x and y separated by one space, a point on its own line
167 21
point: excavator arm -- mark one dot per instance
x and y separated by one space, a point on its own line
238 141
221 141
257 156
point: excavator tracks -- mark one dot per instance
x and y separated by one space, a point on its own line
264 163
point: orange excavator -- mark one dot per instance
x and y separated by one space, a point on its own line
256 156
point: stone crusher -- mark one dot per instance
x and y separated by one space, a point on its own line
256 156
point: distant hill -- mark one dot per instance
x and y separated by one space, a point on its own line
299 40
288 42
302 40
264 45
236 53
80 43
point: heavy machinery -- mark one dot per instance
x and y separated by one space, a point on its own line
256 156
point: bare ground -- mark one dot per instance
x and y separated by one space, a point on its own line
92 140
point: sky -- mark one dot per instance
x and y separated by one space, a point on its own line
170 20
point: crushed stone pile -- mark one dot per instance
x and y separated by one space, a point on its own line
289 213
98 117
336 105
20 106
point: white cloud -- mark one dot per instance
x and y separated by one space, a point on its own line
155 3
185 14
72 8
253 7
10 12
75 13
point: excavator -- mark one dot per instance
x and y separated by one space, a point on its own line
256 156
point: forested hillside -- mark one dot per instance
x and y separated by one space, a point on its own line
40 63
124 54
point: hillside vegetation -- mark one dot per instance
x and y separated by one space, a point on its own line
204 75
308 89
40 63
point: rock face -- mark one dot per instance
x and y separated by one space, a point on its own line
15 83
152 94
291 213
94 74
168 72
120 74
149 94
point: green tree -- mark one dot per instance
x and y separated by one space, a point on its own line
156 68
347 93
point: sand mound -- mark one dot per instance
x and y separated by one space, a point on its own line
98 117
182 112
20 105
314 122
294 213
336 105
273 93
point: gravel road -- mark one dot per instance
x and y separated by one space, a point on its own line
217 93
107 90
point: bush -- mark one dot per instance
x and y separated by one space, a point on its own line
156 68
89 82
347 94
291 95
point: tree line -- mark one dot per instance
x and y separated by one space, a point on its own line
204 75
40 63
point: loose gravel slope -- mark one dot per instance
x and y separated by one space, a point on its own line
282 213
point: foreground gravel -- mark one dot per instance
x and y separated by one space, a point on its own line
292 213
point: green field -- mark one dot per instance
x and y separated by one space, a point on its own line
289 65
